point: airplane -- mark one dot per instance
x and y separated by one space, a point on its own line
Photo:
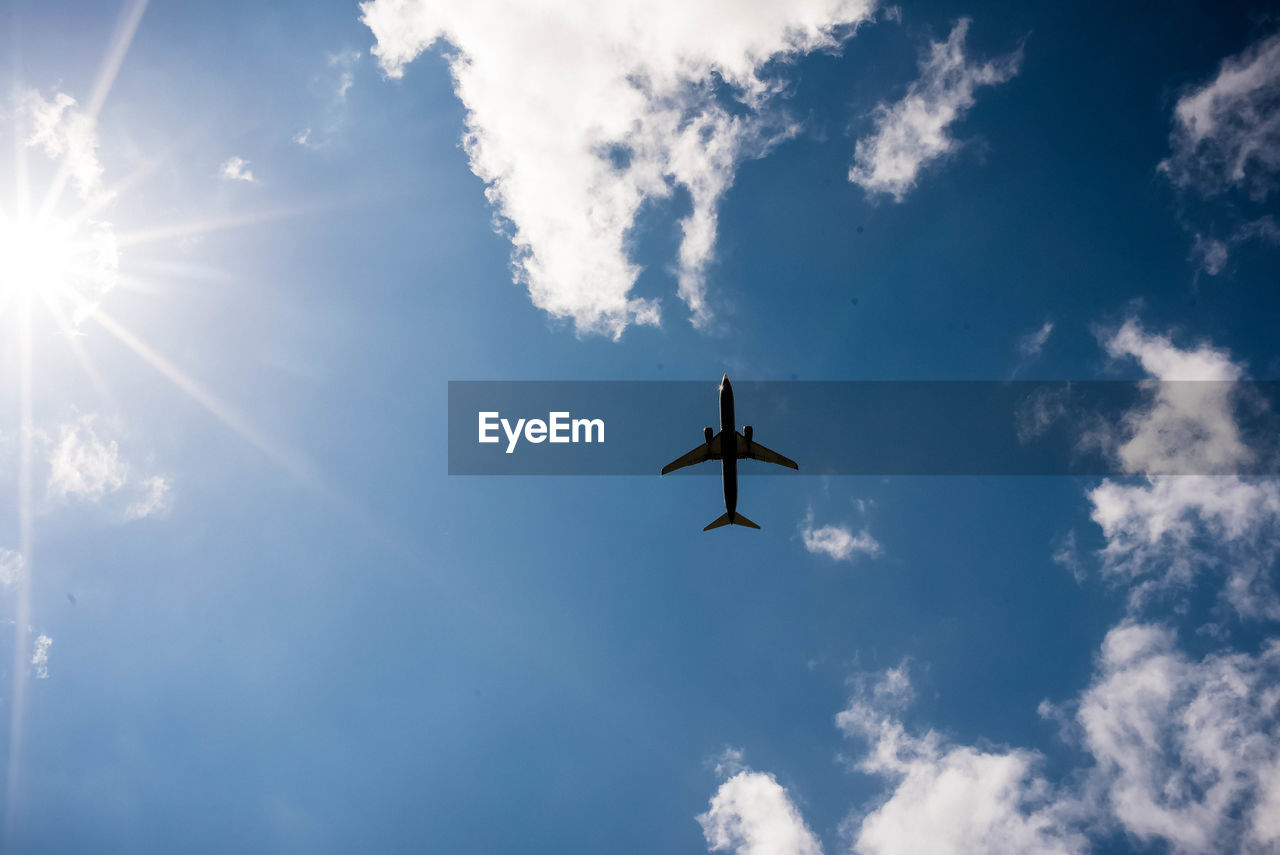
728 446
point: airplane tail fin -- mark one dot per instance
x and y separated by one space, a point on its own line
738 519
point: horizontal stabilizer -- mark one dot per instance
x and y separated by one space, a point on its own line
738 519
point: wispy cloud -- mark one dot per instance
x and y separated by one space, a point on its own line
85 467
236 168
152 498
1211 253
1226 133
40 656
1214 253
1031 345
915 131
840 542
575 129
81 466
332 86
64 132
1226 140
12 566
1066 554
344 63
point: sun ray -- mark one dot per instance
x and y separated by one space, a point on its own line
126 26
93 206
21 180
213 224
138 285
291 462
22 594
72 334
170 269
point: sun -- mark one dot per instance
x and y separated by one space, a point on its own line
34 258
65 264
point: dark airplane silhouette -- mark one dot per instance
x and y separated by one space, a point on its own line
728 446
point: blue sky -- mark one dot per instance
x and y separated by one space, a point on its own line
246 608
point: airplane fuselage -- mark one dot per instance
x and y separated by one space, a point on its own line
728 448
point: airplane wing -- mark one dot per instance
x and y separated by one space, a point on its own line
755 451
705 451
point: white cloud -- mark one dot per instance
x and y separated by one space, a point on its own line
915 131
1186 751
580 113
12 566
1187 427
1161 533
1162 530
1226 133
1182 751
752 814
962 800
948 799
838 541
1178 752
83 466
40 656
1032 344
1162 359
236 168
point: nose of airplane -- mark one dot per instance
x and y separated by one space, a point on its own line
725 379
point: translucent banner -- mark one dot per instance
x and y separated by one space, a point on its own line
1089 428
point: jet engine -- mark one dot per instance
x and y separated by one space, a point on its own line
708 433
746 434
